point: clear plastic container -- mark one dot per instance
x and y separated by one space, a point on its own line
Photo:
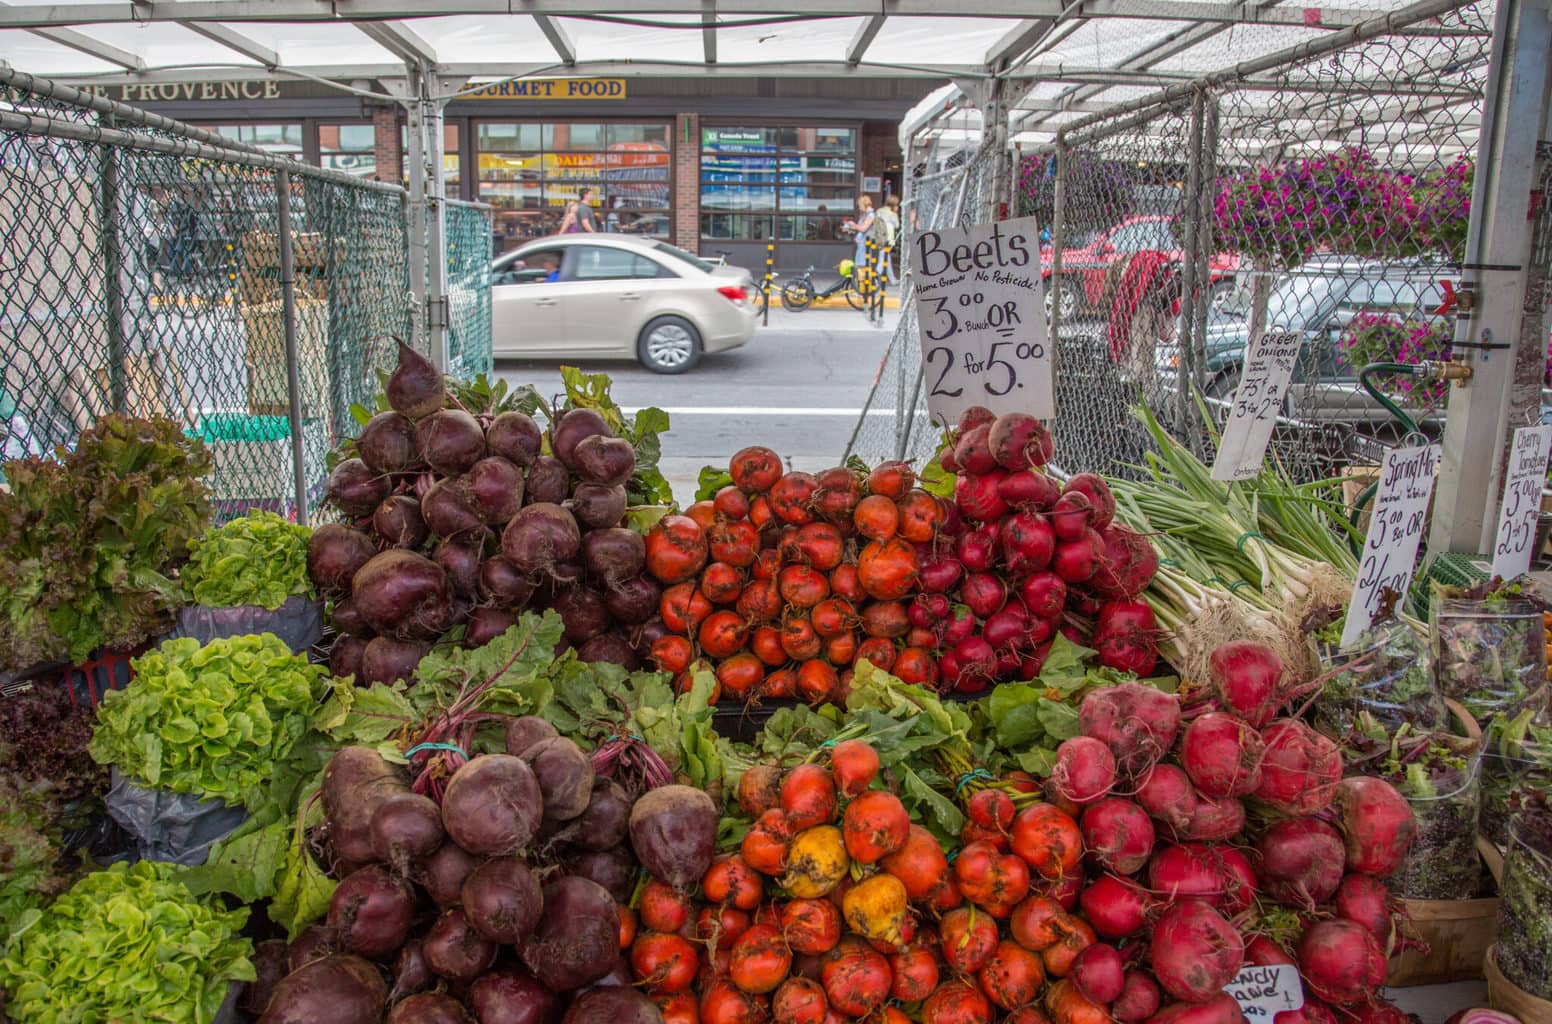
1388 677
1442 863
1490 655
1525 913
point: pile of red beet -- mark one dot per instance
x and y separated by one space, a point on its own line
1225 837
1022 556
785 580
505 901
456 520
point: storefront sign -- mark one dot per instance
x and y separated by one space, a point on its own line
168 92
1521 505
551 89
1257 403
982 320
1395 529
736 136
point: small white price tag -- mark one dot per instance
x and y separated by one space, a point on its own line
1527 474
1263 384
1264 992
980 314
1395 529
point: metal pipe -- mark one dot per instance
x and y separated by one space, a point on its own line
1299 54
1204 247
1189 280
48 127
113 286
293 361
113 110
1058 239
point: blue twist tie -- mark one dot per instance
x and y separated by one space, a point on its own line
968 777
1237 584
827 744
453 747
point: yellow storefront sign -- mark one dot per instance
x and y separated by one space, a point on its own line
552 89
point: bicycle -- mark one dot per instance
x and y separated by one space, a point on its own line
800 293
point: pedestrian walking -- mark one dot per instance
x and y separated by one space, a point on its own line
859 229
887 228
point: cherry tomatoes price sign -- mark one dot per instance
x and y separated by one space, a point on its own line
1395 529
1521 505
980 313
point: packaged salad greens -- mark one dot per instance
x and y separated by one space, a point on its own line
1441 778
1386 678
1525 910
1489 651
1516 764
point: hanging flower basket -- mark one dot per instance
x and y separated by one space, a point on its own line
1346 203
1382 338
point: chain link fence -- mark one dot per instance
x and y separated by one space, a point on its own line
144 272
1328 198
949 185
469 248
1322 193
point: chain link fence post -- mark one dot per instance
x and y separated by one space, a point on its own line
286 243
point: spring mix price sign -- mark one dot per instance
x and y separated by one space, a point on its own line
1521 505
981 318
1395 529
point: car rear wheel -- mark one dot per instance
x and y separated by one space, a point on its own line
669 344
1224 385
1221 293
1062 292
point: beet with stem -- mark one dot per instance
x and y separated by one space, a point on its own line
577 938
503 900
415 388
399 523
336 989
335 553
539 537
673 831
515 437
493 805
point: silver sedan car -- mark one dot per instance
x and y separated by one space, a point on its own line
607 296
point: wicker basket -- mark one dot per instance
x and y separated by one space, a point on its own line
1457 934
1503 994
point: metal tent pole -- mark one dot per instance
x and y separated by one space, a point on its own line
1484 413
288 319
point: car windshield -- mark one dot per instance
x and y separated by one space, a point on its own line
1297 300
683 257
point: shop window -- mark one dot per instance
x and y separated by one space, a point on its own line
281 139
531 171
794 183
348 147
736 227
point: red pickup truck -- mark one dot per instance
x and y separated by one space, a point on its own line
1091 265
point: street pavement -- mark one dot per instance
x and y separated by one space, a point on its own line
797 387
